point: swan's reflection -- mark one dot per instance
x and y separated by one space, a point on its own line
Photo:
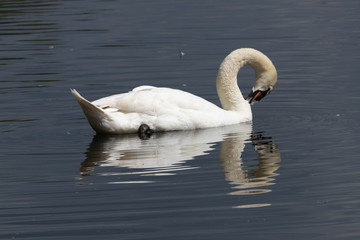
168 153
248 177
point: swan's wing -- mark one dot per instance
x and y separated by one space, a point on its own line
155 101
143 88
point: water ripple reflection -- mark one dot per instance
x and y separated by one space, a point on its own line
133 160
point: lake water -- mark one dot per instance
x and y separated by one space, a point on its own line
291 174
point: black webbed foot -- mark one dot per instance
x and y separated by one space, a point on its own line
145 132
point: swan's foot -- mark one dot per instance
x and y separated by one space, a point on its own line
145 132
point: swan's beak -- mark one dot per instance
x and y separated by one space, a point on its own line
257 95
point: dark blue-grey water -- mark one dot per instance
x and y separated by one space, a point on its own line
291 174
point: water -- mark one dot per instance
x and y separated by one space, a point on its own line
292 173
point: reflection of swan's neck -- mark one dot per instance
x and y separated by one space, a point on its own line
226 82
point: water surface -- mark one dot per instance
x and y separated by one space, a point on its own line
291 173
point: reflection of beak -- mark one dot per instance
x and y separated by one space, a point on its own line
257 95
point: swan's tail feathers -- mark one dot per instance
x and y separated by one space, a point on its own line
95 115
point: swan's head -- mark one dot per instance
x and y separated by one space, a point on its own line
265 81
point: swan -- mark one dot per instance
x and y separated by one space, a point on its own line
166 109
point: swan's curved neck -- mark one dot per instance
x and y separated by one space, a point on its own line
226 81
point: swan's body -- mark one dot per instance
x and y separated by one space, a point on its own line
165 109
162 109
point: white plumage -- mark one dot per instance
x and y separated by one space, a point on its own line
165 109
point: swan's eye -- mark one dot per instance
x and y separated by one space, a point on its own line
267 91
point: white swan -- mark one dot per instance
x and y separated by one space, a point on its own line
165 109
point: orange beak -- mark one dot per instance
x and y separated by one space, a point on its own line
257 95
